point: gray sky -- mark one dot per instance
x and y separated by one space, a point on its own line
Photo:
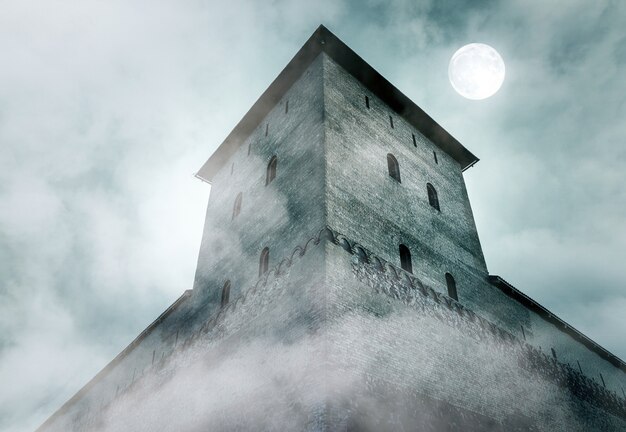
108 108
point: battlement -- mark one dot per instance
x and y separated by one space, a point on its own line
557 322
401 285
383 278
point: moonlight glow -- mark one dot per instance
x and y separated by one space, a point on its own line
476 71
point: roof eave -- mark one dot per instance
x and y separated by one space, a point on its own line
548 316
322 40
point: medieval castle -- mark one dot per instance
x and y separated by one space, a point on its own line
341 286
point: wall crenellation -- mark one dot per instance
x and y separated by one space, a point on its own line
386 278
403 286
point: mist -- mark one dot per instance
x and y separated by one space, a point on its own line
246 371
108 109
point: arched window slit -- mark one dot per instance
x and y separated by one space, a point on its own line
451 283
433 199
237 206
225 293
405 259
393 167
271 170
264 261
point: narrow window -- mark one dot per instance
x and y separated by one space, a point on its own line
394 168
523 332
452 288
286 107
271 170
225 293
553 353
435 156
237 206
391 122
405 259
602 378
579 368
267 128
414 141
433 199
249 148
264 261
232 168
367 102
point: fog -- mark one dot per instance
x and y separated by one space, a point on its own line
248 372
108 109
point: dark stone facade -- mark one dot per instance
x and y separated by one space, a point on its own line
335 335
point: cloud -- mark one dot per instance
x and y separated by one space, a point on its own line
107 109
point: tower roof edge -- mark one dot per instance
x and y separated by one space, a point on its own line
323 40
550 317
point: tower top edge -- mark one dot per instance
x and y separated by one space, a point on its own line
324 41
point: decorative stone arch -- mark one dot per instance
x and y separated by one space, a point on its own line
361 254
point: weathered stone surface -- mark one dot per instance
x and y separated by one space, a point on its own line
335 335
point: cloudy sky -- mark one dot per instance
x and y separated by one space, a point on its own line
108 108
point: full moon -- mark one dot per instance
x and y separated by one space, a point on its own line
476 71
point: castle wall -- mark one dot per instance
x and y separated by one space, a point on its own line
275 215
279 216
152 348
335 331
358 188
546 336
326 340
256 364
389 213
405 338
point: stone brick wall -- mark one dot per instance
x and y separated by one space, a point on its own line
276 215
569 351
343 340
421 341
280 312
365 203
366 332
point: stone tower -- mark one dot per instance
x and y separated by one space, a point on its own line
341 286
